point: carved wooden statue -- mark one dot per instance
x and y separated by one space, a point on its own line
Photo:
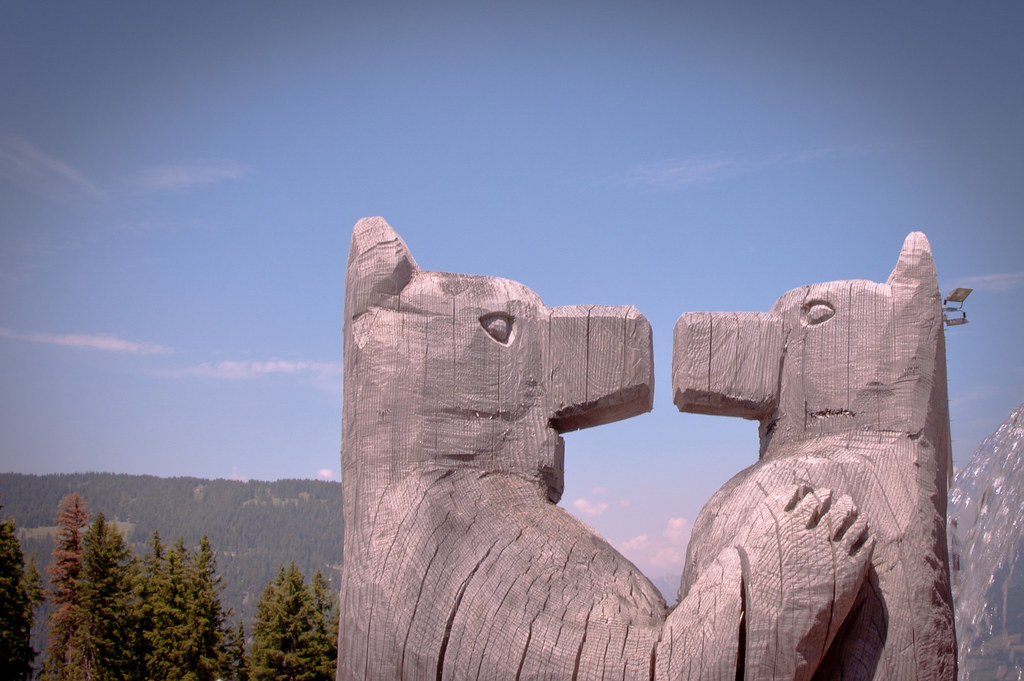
457 562
848 380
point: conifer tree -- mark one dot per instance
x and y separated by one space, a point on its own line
325 601
188 639
148 579
19 593
236 653
168 612
212 633
70 654
290 632
106 595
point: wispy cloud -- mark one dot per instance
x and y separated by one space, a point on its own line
961 398
325 474
178 177
589 508
676 172
993 283
26 163
659 554
249 369
804 156
88 341
7 276
683 171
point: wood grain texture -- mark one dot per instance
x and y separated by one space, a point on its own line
731 363
860 407
457 562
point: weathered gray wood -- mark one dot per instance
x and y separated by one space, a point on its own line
855 402
730 366
457 563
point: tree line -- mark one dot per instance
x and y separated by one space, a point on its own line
251 524
115 616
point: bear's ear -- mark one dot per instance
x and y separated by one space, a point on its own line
379 266
915 268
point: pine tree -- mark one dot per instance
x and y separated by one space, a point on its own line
168 611
188 638
70 654
290 641
19 593
212 633
147 583
325 602
106 595
236 653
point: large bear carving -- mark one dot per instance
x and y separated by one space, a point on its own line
848 381
457 562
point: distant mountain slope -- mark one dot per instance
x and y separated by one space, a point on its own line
987 547
253 526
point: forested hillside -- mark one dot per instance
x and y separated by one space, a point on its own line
253 527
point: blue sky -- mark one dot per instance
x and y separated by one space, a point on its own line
178 184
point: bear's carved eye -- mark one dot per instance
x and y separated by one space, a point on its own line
815 312
498 326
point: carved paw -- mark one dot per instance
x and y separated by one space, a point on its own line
805 555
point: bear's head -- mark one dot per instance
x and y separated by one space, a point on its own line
841 358
455 371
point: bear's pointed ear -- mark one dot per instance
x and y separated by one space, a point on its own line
915 266
379 266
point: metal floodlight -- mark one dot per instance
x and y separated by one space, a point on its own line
957 295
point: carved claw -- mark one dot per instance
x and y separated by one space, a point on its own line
805 556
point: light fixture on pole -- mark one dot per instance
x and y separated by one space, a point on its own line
958 296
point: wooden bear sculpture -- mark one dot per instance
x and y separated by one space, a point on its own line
457 562
848 380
